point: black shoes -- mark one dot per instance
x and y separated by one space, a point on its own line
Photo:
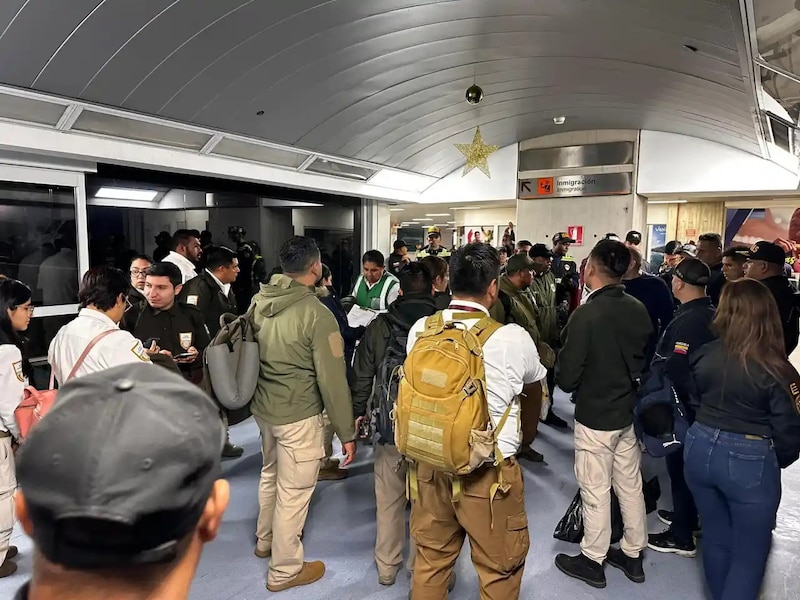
555 421
583 568
667 516
231 451
632 567
666 542
528 453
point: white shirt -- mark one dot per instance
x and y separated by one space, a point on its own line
186 266
118 348
12 384
225 287
511 361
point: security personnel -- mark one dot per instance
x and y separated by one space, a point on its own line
211 291
252 269
689 329
375 288
138 272
566 271
434 247
175 327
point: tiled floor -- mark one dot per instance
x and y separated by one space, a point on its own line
341 530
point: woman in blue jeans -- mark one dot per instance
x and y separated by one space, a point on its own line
747 429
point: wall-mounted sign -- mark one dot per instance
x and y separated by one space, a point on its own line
565 186
691 232
576 233
567 157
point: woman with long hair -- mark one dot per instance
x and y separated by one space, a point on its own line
440 274
15 371
747 429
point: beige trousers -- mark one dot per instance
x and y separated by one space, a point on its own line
8 485
604 459
390 497
291 459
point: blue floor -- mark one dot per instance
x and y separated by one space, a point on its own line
341 531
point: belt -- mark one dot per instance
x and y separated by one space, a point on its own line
5 434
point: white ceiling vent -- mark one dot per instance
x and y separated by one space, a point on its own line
90 121
18 108
259 153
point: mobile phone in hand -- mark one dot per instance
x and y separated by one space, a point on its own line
184 356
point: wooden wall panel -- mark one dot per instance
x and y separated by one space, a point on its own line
696 218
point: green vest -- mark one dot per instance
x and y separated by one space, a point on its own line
374 297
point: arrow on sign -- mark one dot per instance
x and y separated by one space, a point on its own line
524 186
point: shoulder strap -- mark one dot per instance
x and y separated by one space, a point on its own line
86 351
505 300
485 328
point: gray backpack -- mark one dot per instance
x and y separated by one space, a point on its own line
387 381
232 364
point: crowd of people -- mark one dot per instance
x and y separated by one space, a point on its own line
125 507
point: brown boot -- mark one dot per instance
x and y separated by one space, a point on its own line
262 552
311 572
7 568
331 474
12 552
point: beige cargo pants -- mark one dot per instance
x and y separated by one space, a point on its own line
8 485
390 498
291 459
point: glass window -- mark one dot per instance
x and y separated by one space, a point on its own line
41 332
38 240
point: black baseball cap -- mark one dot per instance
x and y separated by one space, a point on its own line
121 468
633 237
673 247
399 244
693 271
766 251
611 236
540 250
562 236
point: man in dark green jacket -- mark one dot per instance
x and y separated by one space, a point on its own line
211 291
414 303
601 360
302 373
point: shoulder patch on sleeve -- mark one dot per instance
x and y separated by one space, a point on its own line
139 352
681 348
192 299
18 370
337 344
794 390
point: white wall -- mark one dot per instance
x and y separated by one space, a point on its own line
475 186
323 217
678 164
657 214
487 216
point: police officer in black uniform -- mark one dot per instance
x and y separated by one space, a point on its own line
689 330
252 269
212 291
175 327
567 276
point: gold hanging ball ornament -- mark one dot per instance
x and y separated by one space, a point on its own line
477 154
474 94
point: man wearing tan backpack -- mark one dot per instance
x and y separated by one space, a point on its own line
457 422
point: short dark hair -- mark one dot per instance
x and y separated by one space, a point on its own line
102 286
711 237
298 254
611 257
219 256
502 250
326 272
473 268
374 256
415 279
736 253
436 266
165 269
183 237
522 243
141 257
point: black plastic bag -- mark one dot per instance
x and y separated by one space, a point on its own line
570 527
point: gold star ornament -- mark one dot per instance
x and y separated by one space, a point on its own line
477 154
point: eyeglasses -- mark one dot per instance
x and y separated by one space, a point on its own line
29 308
138 272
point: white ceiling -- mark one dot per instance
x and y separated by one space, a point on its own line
384 81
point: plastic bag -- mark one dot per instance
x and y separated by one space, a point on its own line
570 527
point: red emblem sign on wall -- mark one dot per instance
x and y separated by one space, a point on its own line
576 233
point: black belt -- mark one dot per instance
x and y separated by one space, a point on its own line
5 434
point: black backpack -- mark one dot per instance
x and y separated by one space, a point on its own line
387 381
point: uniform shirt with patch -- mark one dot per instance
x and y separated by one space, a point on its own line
118 348
12 385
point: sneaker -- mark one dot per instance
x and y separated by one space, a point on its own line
331 474
555 421
7 568
666 542
311 572
632 567
666 517
530 454
387 580
582 567
231 451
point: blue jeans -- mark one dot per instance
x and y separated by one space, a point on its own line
736 484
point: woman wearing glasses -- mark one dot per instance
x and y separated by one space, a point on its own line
747 429
15 370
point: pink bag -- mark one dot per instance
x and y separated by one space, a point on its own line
36 404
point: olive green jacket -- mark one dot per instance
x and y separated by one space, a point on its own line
302 358
524 314
543 289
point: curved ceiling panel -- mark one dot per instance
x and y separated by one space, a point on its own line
384 81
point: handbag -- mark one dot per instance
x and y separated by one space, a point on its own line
37 403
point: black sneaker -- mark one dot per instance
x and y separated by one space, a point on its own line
528 453
666 542
667 516
583 568
555 421
231 451
632 567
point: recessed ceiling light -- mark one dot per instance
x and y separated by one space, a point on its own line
559 120
422 219
126 194
667 201
260 113
451 222
396 209
438 215
466 208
